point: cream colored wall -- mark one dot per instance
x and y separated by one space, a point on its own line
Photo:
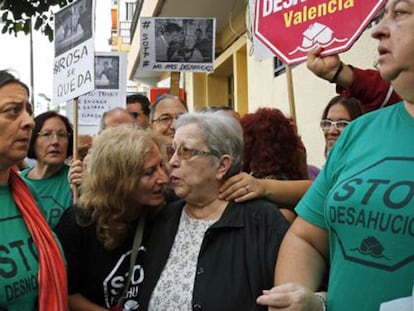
311 93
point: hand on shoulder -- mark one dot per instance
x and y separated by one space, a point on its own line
240 188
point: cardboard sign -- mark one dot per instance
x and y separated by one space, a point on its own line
110 90
177 44
73 73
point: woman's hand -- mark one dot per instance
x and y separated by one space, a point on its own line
75 173
241 187
291 297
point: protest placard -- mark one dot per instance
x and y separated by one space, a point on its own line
110 91
73 73
290 29
177 44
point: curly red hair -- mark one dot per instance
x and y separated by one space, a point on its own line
272 147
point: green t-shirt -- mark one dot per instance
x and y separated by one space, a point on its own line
18 258
364 198
54 192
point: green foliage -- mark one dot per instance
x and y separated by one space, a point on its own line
17 15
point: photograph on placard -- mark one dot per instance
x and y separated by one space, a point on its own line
73 25
177 44
107 94
107 72
183 40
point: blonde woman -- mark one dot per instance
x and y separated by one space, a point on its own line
124 181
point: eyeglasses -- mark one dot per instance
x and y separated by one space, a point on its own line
339 125
167 119
50 135
187 153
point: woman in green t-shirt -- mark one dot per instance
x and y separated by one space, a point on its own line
32 271
50 145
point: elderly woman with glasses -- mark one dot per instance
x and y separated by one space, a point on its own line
204 252
50 145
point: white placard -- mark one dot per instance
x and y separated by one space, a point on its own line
177 44
73 73
110 90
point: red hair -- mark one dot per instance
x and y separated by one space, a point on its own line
272 147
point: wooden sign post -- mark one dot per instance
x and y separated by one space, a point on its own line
175 83
75 140
291 93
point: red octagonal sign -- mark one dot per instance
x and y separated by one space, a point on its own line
291 28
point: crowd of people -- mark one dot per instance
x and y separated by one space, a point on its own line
211 210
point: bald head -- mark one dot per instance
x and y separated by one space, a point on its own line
115 117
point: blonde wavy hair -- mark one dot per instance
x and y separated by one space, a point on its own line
114 170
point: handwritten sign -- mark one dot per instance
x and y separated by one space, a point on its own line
73 72
110 90
177 44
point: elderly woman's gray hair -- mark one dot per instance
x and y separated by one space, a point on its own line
220 133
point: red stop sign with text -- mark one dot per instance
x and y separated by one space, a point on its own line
291 28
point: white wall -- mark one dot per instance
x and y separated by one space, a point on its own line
311 93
